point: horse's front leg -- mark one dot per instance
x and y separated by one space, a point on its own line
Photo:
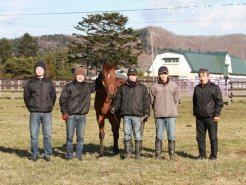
101 134
115 125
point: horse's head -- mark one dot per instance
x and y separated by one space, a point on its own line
109 80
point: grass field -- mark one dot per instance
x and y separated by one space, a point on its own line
16 168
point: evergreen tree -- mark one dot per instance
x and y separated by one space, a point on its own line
19 68
105 39
5 50
28 46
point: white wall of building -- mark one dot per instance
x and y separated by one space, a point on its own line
182 68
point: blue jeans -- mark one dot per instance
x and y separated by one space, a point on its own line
132 124
37 118
165 123
75 122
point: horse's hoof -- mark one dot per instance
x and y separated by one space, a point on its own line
100 155
116 152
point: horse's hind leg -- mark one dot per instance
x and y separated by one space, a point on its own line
101 135
115 129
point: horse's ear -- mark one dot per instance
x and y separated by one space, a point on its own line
112 69
113 66
104 71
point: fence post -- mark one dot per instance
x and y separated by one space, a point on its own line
231 93
12 89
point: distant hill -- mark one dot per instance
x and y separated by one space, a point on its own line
235 44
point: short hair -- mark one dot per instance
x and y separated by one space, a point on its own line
203 70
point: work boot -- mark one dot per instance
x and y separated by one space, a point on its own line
158 149
128 149
137 149
141 147
171 149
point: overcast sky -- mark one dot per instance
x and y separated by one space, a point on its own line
183 17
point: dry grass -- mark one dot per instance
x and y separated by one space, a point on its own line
16 168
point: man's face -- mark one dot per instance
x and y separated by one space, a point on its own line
204 78
163 77
80 78
132 78
39 72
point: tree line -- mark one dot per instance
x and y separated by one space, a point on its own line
104 38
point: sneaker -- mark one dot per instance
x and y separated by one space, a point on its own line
201 158
48 159
80 158
212 158
34 158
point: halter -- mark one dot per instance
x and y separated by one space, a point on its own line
107 86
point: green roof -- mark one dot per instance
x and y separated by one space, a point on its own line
238 66
213 61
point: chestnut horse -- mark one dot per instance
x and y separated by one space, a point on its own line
105 95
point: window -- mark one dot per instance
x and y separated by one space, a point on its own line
171 60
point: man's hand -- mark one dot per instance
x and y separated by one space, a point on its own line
112 110
216 119
65 117
146 117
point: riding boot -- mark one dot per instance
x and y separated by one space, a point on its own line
128 149
158 149
137 149
214 150
171 149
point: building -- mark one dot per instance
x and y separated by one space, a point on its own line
184 64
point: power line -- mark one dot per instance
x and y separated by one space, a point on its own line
120 10
83 5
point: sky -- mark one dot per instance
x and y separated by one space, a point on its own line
182 17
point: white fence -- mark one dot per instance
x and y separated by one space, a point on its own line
14 88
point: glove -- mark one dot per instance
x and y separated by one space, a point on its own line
146 117
65 117
112 110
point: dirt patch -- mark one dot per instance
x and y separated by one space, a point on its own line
241 152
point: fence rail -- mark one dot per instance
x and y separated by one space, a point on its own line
230 89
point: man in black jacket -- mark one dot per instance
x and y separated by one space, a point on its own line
75 103
207 105
40 97
134 102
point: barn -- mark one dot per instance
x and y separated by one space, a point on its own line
184 64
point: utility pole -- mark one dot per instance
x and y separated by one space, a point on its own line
151 34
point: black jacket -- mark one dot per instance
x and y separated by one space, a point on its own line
75 98
207 100
132 101
39 95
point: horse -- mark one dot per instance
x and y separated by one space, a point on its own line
104 98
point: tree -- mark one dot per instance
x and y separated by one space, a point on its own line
57 65
19 68
28 46
105 40
5 50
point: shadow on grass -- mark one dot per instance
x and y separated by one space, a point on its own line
185 155
90 149
18 152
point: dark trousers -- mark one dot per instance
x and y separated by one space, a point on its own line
202 125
